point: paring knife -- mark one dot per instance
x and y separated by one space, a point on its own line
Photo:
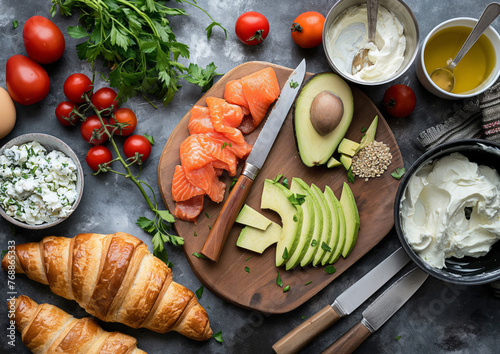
379 311
223 224
343 305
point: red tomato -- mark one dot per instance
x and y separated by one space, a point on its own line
137 144
65 113
307 29
399 101
75 86
43 40
98 155
27 81
127 117
105 99
91 131
252 27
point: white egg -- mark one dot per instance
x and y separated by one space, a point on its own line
7 113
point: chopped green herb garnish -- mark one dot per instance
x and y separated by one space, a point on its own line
285 253
326 247
224 144
218 337
4 252
297 199
309 282
199 255
199 292
303 318
15 24
286 288
294 84
233 182
350 176
398 338
330 269
398 173
363 129
314 243
295 218
206 214
247 269
279 282
248 258
285 182
195 234
209 226
277 178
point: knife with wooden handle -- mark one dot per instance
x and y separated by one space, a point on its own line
343 305
383 308
217 237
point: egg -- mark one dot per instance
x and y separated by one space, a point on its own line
8 113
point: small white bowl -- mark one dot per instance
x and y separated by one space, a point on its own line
424 77
50 143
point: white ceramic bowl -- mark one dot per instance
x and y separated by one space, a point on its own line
50 143
411 32
424 77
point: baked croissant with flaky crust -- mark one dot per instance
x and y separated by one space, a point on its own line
48 329
115 278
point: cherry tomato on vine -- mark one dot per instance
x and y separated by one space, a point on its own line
87 130
27 81
307 29
139 144
65 113
43 40
252 28
98 155
75 86
105 98
399 100
126 116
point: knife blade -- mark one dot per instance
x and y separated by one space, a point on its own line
383 308
343 305
217 237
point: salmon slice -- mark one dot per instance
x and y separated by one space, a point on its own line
224 145
199 121
226 118
260 89
247 125
182 189
233 93
189 210
193 152
206 179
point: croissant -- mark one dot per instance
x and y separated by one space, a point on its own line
48 329
114 278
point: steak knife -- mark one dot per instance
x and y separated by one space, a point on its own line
379 311
217 237
343 305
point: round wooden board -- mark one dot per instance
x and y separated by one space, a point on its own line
257 289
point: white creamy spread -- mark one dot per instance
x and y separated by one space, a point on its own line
349 34
36 186
451 208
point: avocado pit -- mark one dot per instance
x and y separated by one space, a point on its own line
326 112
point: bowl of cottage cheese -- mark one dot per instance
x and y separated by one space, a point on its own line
345 33
447 212
41 181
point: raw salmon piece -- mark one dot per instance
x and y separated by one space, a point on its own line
226 118
182 189
194 152
189 210
206 179
199 121
233 93
247 125
224 145
260 89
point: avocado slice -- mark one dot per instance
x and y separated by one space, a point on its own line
258 240
346 161
278 198
298 186
250 217
333 162
326 234
334 205
369 134
313 244
315 149
351 213
348 147
341 241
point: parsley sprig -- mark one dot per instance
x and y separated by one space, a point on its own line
136 41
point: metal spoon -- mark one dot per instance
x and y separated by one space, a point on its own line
444 77
361 60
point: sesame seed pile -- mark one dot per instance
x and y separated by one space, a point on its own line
372 160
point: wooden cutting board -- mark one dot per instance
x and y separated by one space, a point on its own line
257 288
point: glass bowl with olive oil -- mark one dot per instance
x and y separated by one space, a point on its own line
478 69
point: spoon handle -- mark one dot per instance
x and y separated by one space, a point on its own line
372 12
489 14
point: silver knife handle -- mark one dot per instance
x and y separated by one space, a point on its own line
301 335
350 341
250 171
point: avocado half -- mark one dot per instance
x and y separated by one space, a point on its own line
313 148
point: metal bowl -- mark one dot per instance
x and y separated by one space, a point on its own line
50 143
466 270
411 31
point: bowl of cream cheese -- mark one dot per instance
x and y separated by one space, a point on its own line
447 212
397 37
41 181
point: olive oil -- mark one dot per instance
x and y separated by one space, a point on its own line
475 66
